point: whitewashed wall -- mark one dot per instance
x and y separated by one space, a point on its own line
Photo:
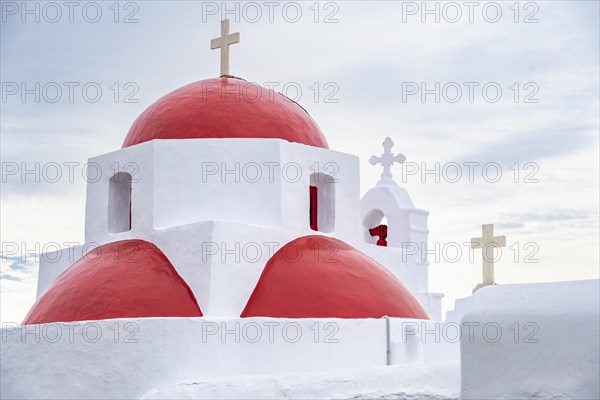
261 182
532 341
125 358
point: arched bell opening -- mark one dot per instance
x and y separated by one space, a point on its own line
375 226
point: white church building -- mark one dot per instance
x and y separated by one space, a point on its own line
226 238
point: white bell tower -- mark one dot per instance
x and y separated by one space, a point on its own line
407 232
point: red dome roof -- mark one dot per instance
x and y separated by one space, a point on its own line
225 107
322 277
125 279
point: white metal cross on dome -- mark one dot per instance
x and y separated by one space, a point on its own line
487 242
223 42
387 158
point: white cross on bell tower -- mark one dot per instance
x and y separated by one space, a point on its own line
487 242
387 158
223 43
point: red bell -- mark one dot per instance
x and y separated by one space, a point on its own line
380 231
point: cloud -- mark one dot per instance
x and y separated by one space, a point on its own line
539 224
18 268
10 277
533 145
509 225
559 215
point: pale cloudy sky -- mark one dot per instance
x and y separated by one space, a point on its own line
367 56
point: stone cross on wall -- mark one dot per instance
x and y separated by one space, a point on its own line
487 242
387 158
223 43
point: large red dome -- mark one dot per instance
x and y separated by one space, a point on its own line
321 277
225 107
125 279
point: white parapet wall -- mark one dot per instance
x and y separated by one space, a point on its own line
126 358
417 341
532 341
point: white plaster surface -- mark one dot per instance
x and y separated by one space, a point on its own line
556 353
417 341
460 306
262 182
124 358
408 381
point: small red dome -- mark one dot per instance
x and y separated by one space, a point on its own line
225 107
321 277
125 279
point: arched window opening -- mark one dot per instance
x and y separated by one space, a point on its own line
314 208
322 203
119 203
